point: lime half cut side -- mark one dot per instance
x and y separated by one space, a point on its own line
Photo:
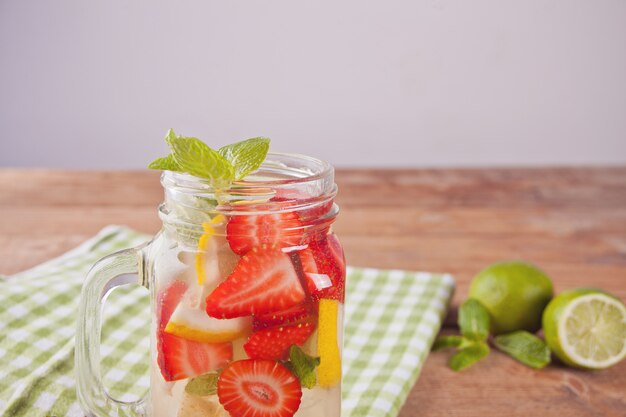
592 331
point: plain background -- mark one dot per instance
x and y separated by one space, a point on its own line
87 84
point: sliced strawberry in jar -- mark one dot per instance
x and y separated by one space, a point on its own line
259 388
323 265
274 343
291 315
337 250
263 281
181 358
245 232
293 197
167 301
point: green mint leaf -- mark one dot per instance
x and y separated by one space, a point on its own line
167 163
196 158
203 385
474 320
468 356
443 342
246 156
303 366
525 347
170 134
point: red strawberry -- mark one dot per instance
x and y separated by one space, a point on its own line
324 267
263 281
258 388
292 197
181 358
245 232
274 343
291 315
337 251
168 299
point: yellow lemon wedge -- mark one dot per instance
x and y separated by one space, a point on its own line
194 324
329 369
206 257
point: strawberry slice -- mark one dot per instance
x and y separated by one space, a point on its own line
337 251
274 343
293 197
168 299
181 358
263 281
324 267
291 315
259 388
246 232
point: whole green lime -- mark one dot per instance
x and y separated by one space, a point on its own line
515 294
586 328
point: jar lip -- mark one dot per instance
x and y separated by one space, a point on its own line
310 169
290 182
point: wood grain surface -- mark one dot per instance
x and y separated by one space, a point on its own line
569 221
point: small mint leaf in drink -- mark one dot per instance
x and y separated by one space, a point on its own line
196 158
303 366
203 385
443 342
246 156
474 320
525 347
167 163
468 356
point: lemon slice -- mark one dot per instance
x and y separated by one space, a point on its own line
586 328
329 369
206 257
194 324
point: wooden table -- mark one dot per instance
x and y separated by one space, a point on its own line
569 221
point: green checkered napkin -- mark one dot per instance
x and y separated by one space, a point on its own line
392 318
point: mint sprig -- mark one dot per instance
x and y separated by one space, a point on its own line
203 385
221 167
303 366
468 356
472 344
451 341
525 347
245 156
474 320
167 163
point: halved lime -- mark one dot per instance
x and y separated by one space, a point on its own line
586 328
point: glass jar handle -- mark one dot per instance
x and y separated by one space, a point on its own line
117 269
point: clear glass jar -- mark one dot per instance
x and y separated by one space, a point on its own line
237 278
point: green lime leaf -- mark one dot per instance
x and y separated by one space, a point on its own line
443 342
468 356
203 385
196 158
167 163
246 156
525 347
303 366
474 320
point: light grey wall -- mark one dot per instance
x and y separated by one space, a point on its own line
385 83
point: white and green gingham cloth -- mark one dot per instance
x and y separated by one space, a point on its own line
392 317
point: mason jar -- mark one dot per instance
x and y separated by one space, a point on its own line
247 290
